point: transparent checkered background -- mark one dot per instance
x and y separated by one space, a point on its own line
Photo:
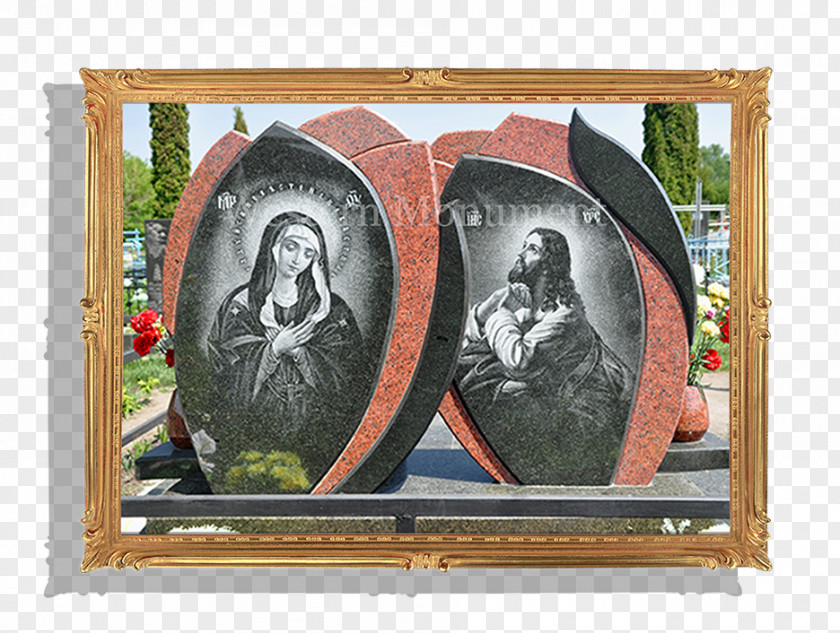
42 47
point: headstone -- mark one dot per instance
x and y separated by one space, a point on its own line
395 194
157 234
555 333
285 306
630 190
429 313
545 144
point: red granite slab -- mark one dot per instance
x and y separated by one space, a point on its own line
402 174
442 171
352 131
458 420
449 146
663 375
537 142
544 144
204 178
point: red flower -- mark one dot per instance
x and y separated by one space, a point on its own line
713 360
170 357
143 343
724 332
144 321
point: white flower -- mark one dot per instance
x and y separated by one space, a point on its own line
716 289
719 528
704 304
699 274
202 529
709 328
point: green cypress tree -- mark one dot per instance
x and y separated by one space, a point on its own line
714 172
170 155
239 120
672 148
138 193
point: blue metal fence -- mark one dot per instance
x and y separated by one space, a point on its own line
712 253
134 272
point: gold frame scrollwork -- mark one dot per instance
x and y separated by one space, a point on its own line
107 90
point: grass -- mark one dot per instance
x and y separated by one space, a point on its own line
141 377
146 371
134 451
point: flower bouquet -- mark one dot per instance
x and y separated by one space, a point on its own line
151 332
712 326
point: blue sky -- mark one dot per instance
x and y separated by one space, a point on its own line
209 122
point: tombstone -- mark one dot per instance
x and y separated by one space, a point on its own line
639 208
157 235
432 311
312 411
555 333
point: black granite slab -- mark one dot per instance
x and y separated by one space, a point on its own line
166 462
626 187
275 423
550 388
709 452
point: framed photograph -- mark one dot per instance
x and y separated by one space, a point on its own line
426 318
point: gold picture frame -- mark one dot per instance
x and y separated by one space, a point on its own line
746 544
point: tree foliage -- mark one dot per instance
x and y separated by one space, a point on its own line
138 192
239 120
170 145
672 142
714 172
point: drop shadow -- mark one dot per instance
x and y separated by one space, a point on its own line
65 546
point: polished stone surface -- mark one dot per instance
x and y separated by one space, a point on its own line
265 423
401 174
554 525
354 131
626 186
428 471
429 313
662 379
284 525
551 389
434 371
440 466
543 144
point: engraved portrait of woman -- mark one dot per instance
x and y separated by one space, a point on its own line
286 351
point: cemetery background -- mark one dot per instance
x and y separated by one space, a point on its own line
42 180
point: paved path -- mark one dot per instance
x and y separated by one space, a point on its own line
717 395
